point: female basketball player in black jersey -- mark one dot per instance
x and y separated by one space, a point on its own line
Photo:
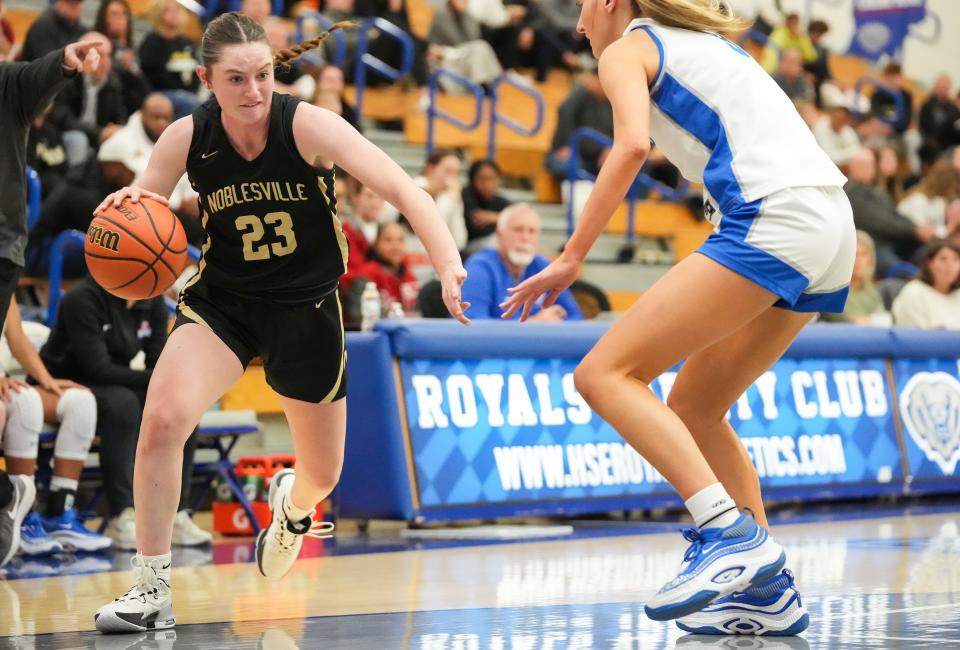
266 286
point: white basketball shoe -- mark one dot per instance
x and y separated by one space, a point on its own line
279 544
147 605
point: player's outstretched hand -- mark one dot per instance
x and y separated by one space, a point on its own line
84 56
552 281
451 279
131 192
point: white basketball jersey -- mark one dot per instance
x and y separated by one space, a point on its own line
723 121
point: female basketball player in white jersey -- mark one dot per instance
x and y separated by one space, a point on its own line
266 286
784 248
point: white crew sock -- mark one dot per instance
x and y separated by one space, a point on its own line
712 507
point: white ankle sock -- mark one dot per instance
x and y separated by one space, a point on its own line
712 507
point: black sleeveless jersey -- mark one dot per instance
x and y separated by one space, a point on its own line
271 223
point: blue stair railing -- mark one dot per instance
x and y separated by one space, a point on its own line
366 60
434 112
642 184
309 23
496 117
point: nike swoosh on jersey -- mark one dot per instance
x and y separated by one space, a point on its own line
211 154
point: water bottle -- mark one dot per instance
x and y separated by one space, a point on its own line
369 306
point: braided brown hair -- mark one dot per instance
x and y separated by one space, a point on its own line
234 28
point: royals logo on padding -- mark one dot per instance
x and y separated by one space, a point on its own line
930 408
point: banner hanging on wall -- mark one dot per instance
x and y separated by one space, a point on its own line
928 396
509 430
880 26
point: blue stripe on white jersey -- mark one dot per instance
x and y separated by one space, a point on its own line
723 121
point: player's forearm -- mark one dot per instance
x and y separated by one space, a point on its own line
614 180
420 210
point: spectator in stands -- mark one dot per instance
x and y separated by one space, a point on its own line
360 227
883 103
441 180
461 48
8 49
836 135
24 410
819 67
788 36
94 341
951 133
169 58
115 21
557 25
932 301
791 78
939 112
513 30
892 168
896 237
53 29
586 106
289 78
926 204
491 271
482 203
46 154
258 10
91 108
329 94
125 154
864 304
388 266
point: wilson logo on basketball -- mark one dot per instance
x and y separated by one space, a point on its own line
105 238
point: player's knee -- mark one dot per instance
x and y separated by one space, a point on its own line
77 413
23 423
164 426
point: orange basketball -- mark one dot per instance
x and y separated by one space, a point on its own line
136 251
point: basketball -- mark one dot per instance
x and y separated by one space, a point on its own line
136 251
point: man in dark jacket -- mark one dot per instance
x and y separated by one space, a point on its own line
94 339
25 90
54 29
896 237
585 106
92 105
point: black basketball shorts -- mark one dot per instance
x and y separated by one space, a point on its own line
302 345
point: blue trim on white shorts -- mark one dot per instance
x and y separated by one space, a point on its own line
833 302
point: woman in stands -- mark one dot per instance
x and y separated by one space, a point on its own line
784 248
266 286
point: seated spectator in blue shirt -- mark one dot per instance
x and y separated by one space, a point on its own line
491 271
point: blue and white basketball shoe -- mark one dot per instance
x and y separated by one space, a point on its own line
34 540
771 608
718 562
72 534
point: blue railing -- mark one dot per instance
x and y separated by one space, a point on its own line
434 112
890 90
58 251
34 194
643 183
366 60
496 117
339 40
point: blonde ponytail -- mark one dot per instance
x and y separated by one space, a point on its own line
281 57
702 15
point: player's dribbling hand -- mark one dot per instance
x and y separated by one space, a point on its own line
552 280
83 56
451 279
131 192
